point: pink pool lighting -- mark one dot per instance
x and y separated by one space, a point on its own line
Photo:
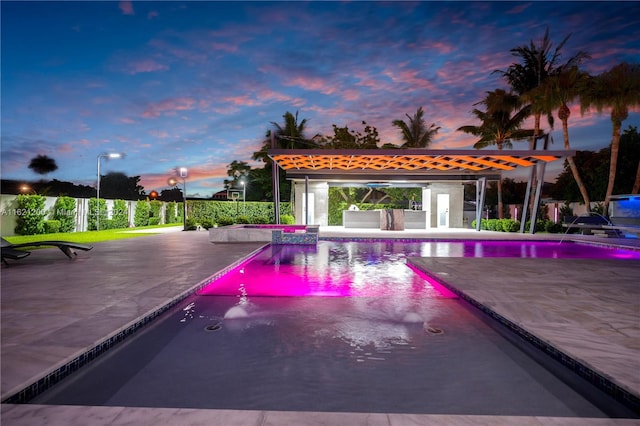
375 269
328 270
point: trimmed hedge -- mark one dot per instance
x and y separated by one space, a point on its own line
141 215
511 225
64 211
31 214
93 209
209 213
51 226
120 215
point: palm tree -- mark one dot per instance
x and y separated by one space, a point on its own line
557 92
616 89
537 64
415 132
42 164
501 123
291 135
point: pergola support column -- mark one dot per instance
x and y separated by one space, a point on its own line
275 176
481 187
536 201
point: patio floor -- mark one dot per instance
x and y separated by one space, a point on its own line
54 309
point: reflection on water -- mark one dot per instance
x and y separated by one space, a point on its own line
374 269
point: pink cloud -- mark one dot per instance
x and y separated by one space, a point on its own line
245 100
126 7
127 120
312 83
145 65
65 148
197 174
440 46
169 107
521 7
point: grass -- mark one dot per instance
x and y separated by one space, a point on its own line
87 237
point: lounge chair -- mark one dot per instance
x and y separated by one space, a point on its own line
9 251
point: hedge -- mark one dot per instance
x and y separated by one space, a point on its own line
64 211
209 213
31 214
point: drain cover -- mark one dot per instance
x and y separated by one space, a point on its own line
213 327
435 330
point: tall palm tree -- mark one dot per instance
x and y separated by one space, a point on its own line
501 123
557 91
617 89
538 62
415 132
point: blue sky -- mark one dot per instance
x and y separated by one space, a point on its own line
197 84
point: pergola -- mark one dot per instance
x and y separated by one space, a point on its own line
395 165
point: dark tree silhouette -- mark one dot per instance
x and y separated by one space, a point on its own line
42 164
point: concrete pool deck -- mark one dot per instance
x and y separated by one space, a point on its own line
54 309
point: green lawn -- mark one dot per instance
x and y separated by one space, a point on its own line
87 237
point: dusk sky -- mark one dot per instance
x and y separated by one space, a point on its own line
197 84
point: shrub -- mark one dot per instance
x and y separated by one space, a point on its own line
141 216
243 220
191 224
120 215
206 223
179 212
225 220
30 214
93 209
538 228
260 219
155 207
108 224
553 228
64 211
51 226
508 225
287 219
512 226
170 214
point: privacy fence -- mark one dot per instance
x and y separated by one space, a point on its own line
36 214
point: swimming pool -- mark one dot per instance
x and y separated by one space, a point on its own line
414 350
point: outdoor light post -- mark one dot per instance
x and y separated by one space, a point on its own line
182 172
100 156
244 204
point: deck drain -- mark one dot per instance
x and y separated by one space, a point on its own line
435 330
213 327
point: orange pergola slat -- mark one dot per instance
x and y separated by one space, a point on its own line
474 161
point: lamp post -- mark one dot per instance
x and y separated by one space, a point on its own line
244 204
182 172
100 156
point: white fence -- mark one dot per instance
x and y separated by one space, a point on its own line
9 212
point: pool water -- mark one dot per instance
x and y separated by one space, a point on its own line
394 342
376 269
